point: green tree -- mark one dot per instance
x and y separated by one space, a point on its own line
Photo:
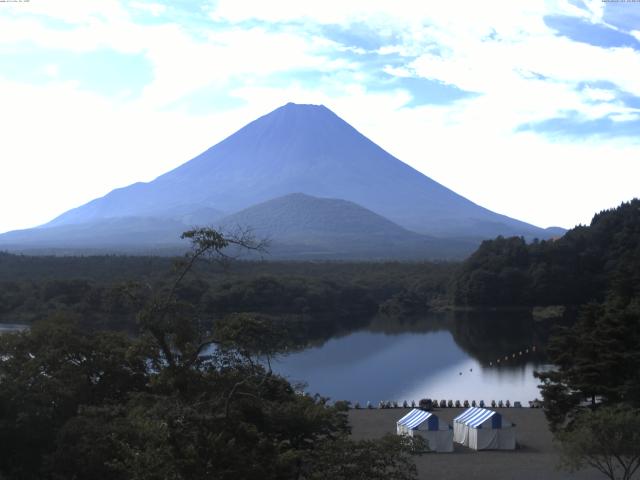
47 375
596 360
389 457
187 399
607 439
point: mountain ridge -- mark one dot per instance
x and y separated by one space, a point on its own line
296 148
309 149
315 227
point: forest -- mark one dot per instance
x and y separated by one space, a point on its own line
186 397
119 360
589 263
592 397
97 289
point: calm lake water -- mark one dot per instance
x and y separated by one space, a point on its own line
438 358
11 327
447 356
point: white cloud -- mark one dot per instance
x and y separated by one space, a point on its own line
402 72
598 94
495 48
628 116
183 60
183 65
58 135
154 9
120 36
51 70
76 11
63 147
522 175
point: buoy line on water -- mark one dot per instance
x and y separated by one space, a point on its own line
535 403
513 356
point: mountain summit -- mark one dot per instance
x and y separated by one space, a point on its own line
307 149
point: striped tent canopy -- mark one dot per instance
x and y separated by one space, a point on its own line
476 416
417 417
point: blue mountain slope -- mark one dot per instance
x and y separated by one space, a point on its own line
302 226
309 149
298 226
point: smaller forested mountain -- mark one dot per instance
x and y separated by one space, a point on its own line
587 264
301 226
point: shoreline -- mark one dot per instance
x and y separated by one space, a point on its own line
536 456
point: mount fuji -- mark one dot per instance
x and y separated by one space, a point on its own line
296 149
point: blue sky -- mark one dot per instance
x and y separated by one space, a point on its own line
529 109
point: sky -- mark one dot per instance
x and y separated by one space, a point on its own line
531 109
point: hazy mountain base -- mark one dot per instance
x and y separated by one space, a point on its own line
298 227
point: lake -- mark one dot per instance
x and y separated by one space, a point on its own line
12 327
438 356
450 356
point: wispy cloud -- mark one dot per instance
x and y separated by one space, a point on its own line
474 96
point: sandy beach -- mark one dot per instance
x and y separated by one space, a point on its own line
536 456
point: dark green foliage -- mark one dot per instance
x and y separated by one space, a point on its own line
185 399
77 405
592 396
290 295
596 270
46 375
105 292
387 458
584 265
597 359
607 439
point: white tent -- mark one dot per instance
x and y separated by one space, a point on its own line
483 429
439 436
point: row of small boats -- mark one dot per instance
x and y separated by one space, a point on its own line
429 404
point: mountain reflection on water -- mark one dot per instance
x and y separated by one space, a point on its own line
441 356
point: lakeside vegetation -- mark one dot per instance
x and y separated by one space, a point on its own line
592 398
587 264
150 403
77 403
97 290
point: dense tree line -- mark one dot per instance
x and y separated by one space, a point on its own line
97 290
597 270
587 264
185 398
104 405
592 396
